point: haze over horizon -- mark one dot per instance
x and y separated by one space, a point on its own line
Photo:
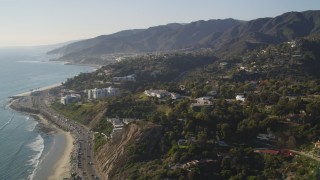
39 22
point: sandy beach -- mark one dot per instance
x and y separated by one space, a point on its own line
56 163
61 157
62 166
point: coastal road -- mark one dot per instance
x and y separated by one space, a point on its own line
83 162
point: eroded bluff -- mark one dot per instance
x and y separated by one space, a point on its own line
136 143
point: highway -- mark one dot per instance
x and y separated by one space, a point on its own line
83 161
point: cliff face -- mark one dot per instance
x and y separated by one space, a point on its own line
113 157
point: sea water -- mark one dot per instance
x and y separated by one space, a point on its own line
21 144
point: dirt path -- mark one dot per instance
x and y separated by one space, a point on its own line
307 155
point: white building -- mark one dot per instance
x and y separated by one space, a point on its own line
101 93
116 122
202 101
266 137
207 100
70 98
131 77
156 93
240 97
175 95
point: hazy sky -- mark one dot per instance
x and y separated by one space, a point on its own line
35 22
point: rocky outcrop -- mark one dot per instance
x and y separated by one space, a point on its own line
19 104
112 157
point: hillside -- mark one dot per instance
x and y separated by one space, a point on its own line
207 131
154 39
224 36
264 31
122 151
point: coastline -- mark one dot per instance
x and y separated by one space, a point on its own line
67 63
57 160
39 89
62 166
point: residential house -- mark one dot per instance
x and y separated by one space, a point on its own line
182 142
175 95
266 137
156 93
202 101
116 122
240 97
131 77
182 87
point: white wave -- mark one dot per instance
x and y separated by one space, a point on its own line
37 146
6 106
3 104
29 61
8 122
31 125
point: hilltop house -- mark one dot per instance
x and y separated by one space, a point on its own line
116 122
131 77
202 101
266 137
156 93
240 97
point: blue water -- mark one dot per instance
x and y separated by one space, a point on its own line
21 144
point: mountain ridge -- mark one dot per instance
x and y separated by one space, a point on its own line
285 27
226 35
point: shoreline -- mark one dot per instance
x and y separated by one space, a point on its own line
58 167
38 89
69 63
62 167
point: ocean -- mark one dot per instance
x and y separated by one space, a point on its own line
22 145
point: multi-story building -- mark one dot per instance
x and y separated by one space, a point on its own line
70 98
101 93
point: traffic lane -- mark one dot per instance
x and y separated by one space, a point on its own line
76 129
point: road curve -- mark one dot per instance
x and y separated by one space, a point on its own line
85 165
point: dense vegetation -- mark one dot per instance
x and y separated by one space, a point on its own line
281 89
82 113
